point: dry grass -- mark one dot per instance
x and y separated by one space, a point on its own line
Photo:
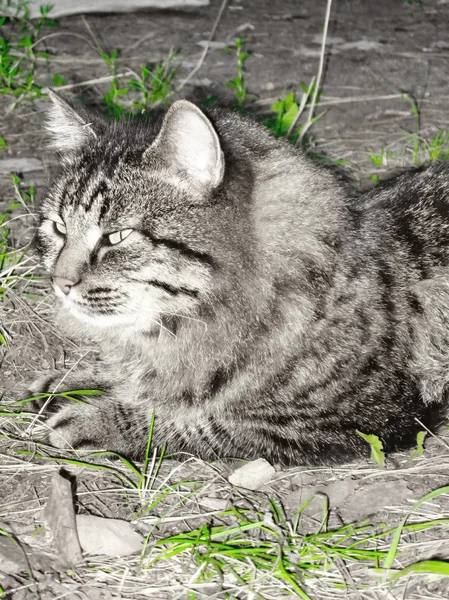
205 538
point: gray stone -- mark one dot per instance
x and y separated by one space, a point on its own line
253 475
111 537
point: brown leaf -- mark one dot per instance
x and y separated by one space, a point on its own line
59 516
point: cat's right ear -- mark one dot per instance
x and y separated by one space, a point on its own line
189 143
69 128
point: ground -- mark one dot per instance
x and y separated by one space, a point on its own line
384 60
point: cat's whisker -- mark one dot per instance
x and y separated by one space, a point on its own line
187 317
178 314
153 319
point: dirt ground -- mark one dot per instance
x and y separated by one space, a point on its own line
375 50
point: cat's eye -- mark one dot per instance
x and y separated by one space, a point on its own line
60 227
118 236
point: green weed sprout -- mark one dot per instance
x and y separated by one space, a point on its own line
141 93
288 112
377 453
154 85
237 83
19 38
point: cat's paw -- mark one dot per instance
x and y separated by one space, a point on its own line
46 383
77 426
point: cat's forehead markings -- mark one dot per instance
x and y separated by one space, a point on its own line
93 234
94 193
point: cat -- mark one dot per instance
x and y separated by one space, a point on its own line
240 293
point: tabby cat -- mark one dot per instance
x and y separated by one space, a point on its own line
240 293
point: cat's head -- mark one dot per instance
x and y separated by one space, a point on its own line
135 225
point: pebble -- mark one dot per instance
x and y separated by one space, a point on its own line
253 475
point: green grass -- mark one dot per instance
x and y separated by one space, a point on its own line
420 148
269 549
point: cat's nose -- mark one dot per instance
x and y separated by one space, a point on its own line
64 285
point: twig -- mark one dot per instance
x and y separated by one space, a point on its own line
337 101
89 82
92 35
301 107
319 74
206 48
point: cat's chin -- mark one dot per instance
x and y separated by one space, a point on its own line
121 320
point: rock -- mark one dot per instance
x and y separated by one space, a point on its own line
213 45
13 559
245 27
63 8
111 537
338 493
214 503
330 41
351 500
375 497
20 165
253 475
18 557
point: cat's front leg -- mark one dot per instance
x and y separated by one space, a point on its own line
100 422
111 420
74 420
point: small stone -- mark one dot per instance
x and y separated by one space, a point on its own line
214 503
111 537
363 45
245 27
330 41
253 475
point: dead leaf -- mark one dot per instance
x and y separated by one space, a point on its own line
59 516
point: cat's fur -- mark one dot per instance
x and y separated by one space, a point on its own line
256 307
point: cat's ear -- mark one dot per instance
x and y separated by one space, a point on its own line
189 142
69 128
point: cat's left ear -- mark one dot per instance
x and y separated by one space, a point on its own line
70 128
189 142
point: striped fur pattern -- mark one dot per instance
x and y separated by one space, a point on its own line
254 305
